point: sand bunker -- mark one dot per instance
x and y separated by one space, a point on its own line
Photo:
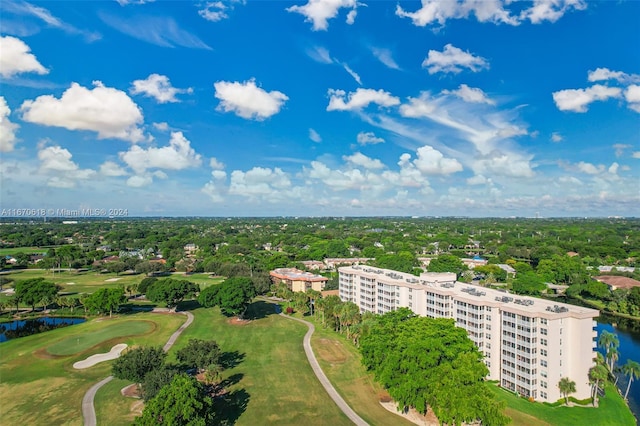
110 280
94 359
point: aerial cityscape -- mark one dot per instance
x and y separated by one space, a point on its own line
320 212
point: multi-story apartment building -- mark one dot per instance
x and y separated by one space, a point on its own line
528 343
297 280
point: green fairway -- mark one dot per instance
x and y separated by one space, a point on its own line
75 283
82 341
42 389
15 250
611 411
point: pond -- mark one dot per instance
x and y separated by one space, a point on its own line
27 327
628 332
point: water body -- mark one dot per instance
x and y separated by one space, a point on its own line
628 332
22 328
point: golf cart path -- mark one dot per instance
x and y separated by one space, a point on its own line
315 366
88 410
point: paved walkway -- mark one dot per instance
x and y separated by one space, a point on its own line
341 403
88 410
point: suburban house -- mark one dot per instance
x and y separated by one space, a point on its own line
297 280
333 262
615 281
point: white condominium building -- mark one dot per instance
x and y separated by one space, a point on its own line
528 343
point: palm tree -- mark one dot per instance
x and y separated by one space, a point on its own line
566 386
612 357
596 374
609 341
321 306
631 369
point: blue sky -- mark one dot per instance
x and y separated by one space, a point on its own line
321 108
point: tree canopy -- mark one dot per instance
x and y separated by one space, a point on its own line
136 363
232 295
34 291
171 291
199 354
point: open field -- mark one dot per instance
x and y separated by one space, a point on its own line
15 250
611 411
44 389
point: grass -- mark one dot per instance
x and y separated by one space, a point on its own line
267 374
612 411
12 251
82 341
41 389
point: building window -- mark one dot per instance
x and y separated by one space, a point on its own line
543 373
543 395
543 342
543 352
544 363
543 321
543 384
543 331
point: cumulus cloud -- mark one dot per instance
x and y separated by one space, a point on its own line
216 164
589 168
7 128
110 168
620 148
361 98
494 11
368 138
504 163
162 126
259 182
159 87
556 137
422 106
56 162
178 155
318 12
215 11
16 58
105 110
453 59
470 94
139 181
604 74
478 180
636 154
247 100
632 96
359 159
314 136
385 56
577 100
430 161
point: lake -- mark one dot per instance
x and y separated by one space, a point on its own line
27 327
628 332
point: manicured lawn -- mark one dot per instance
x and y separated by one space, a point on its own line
15 250
340 361
77 282
82 341
612 411
268 376
40 389
112 408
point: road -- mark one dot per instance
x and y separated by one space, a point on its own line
341 403
88 410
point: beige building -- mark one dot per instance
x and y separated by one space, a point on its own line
528 343
297 280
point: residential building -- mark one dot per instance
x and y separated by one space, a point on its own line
314 265
528 343
473 262
297 280
334 262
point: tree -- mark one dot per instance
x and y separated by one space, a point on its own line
632 370
597 374
528 283
233 295
156 379
209 297
199 354
171 291
147 267
609 342
566 386
144 285
106 300
34 291
446 263
181 402
134 364
116 267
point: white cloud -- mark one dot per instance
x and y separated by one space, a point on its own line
7 128
423 106
550 10
178 155
352 73
590 169
635 154
159 87
110 168
359 99
604 74
385 56
247 100
504 163
620 148
163 126
107 111
320 11
577 100
439 11
453 59
320 54
431 162
556 137
56 162
359 159
16 58
214 11
216 164
314 136
139 181
259 182
470 94
365 138
632 96
478 180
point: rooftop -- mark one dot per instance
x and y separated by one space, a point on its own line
296 275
